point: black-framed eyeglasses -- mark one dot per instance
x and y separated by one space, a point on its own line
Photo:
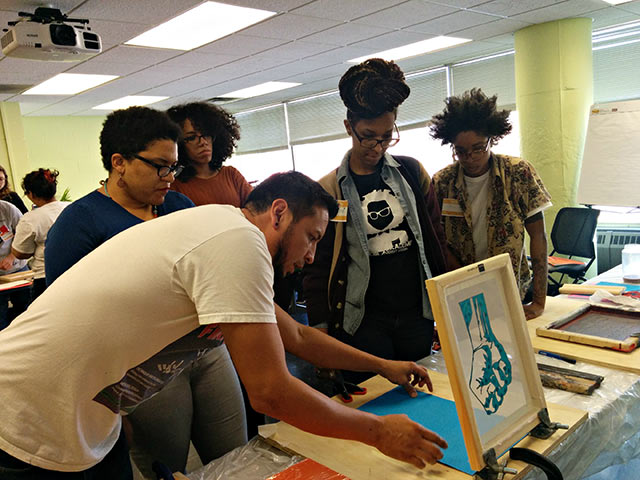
370 142
475 152
195 139
163 170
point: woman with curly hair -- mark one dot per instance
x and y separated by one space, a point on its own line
489 200
367 280
31 233
9 195
209 135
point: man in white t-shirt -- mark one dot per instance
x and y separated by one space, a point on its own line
92 347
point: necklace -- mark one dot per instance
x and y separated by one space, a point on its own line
154 208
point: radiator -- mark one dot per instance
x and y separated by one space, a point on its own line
610 243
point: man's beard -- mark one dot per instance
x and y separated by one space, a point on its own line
281 253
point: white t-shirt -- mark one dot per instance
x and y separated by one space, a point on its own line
116 315
478 194
31 233
9 218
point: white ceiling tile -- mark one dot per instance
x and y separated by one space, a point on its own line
331 72
606 17
570 8
488 30
4 97
22 65
391 40
140 56
344 9
406 14
147 12
114 33
104 68
269 5
633 7
198 59
346 34
508 8
29 6
341 54
241 45
297 49
289 27
451 23
458 3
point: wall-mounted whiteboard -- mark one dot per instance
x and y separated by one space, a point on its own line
610 173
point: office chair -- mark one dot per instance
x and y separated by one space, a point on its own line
572 234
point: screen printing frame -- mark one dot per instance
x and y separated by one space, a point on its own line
496 271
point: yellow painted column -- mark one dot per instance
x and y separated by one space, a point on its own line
13 148
554 90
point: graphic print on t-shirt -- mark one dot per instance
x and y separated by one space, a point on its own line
387 229
148 378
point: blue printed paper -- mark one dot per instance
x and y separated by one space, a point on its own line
437 414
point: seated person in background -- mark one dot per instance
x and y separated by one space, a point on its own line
31 233
20 298
367 284
93 346
7 194
489 200
209 135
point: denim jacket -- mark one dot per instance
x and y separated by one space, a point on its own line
335 285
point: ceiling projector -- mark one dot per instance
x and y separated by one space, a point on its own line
49 35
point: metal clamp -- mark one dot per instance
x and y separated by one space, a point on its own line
493 470
546 427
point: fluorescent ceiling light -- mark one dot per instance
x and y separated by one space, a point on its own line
616 2
415 49
261 89
69 84
129 101
200 25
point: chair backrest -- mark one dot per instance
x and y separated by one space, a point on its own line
573 231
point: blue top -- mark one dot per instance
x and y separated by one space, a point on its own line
90 221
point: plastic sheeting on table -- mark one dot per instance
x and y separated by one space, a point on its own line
611 435
256 460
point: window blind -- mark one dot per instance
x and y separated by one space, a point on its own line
494 75
262 130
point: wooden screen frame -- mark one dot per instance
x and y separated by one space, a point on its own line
551 330
514 428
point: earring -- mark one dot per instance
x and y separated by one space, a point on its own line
121 183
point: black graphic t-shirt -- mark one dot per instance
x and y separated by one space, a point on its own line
394 285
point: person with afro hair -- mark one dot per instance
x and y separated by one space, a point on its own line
489 200
366 285
209 135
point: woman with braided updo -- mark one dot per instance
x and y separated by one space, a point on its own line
490 200
40 187
366 285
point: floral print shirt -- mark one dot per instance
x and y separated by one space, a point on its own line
516 193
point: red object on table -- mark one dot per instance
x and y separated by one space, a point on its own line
308 470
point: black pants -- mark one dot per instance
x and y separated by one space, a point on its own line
393 336
115 466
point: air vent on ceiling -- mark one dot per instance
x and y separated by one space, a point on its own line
13 89
221 100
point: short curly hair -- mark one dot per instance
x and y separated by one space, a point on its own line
211 120
132 130
471 111
372 88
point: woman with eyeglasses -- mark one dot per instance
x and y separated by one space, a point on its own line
366 285
209 135
488 200
139 152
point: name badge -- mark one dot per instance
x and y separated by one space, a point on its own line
341 216
451 208
5 233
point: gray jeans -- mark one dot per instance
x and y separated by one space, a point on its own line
203 404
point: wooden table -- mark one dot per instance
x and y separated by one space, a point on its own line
557 307
359 461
